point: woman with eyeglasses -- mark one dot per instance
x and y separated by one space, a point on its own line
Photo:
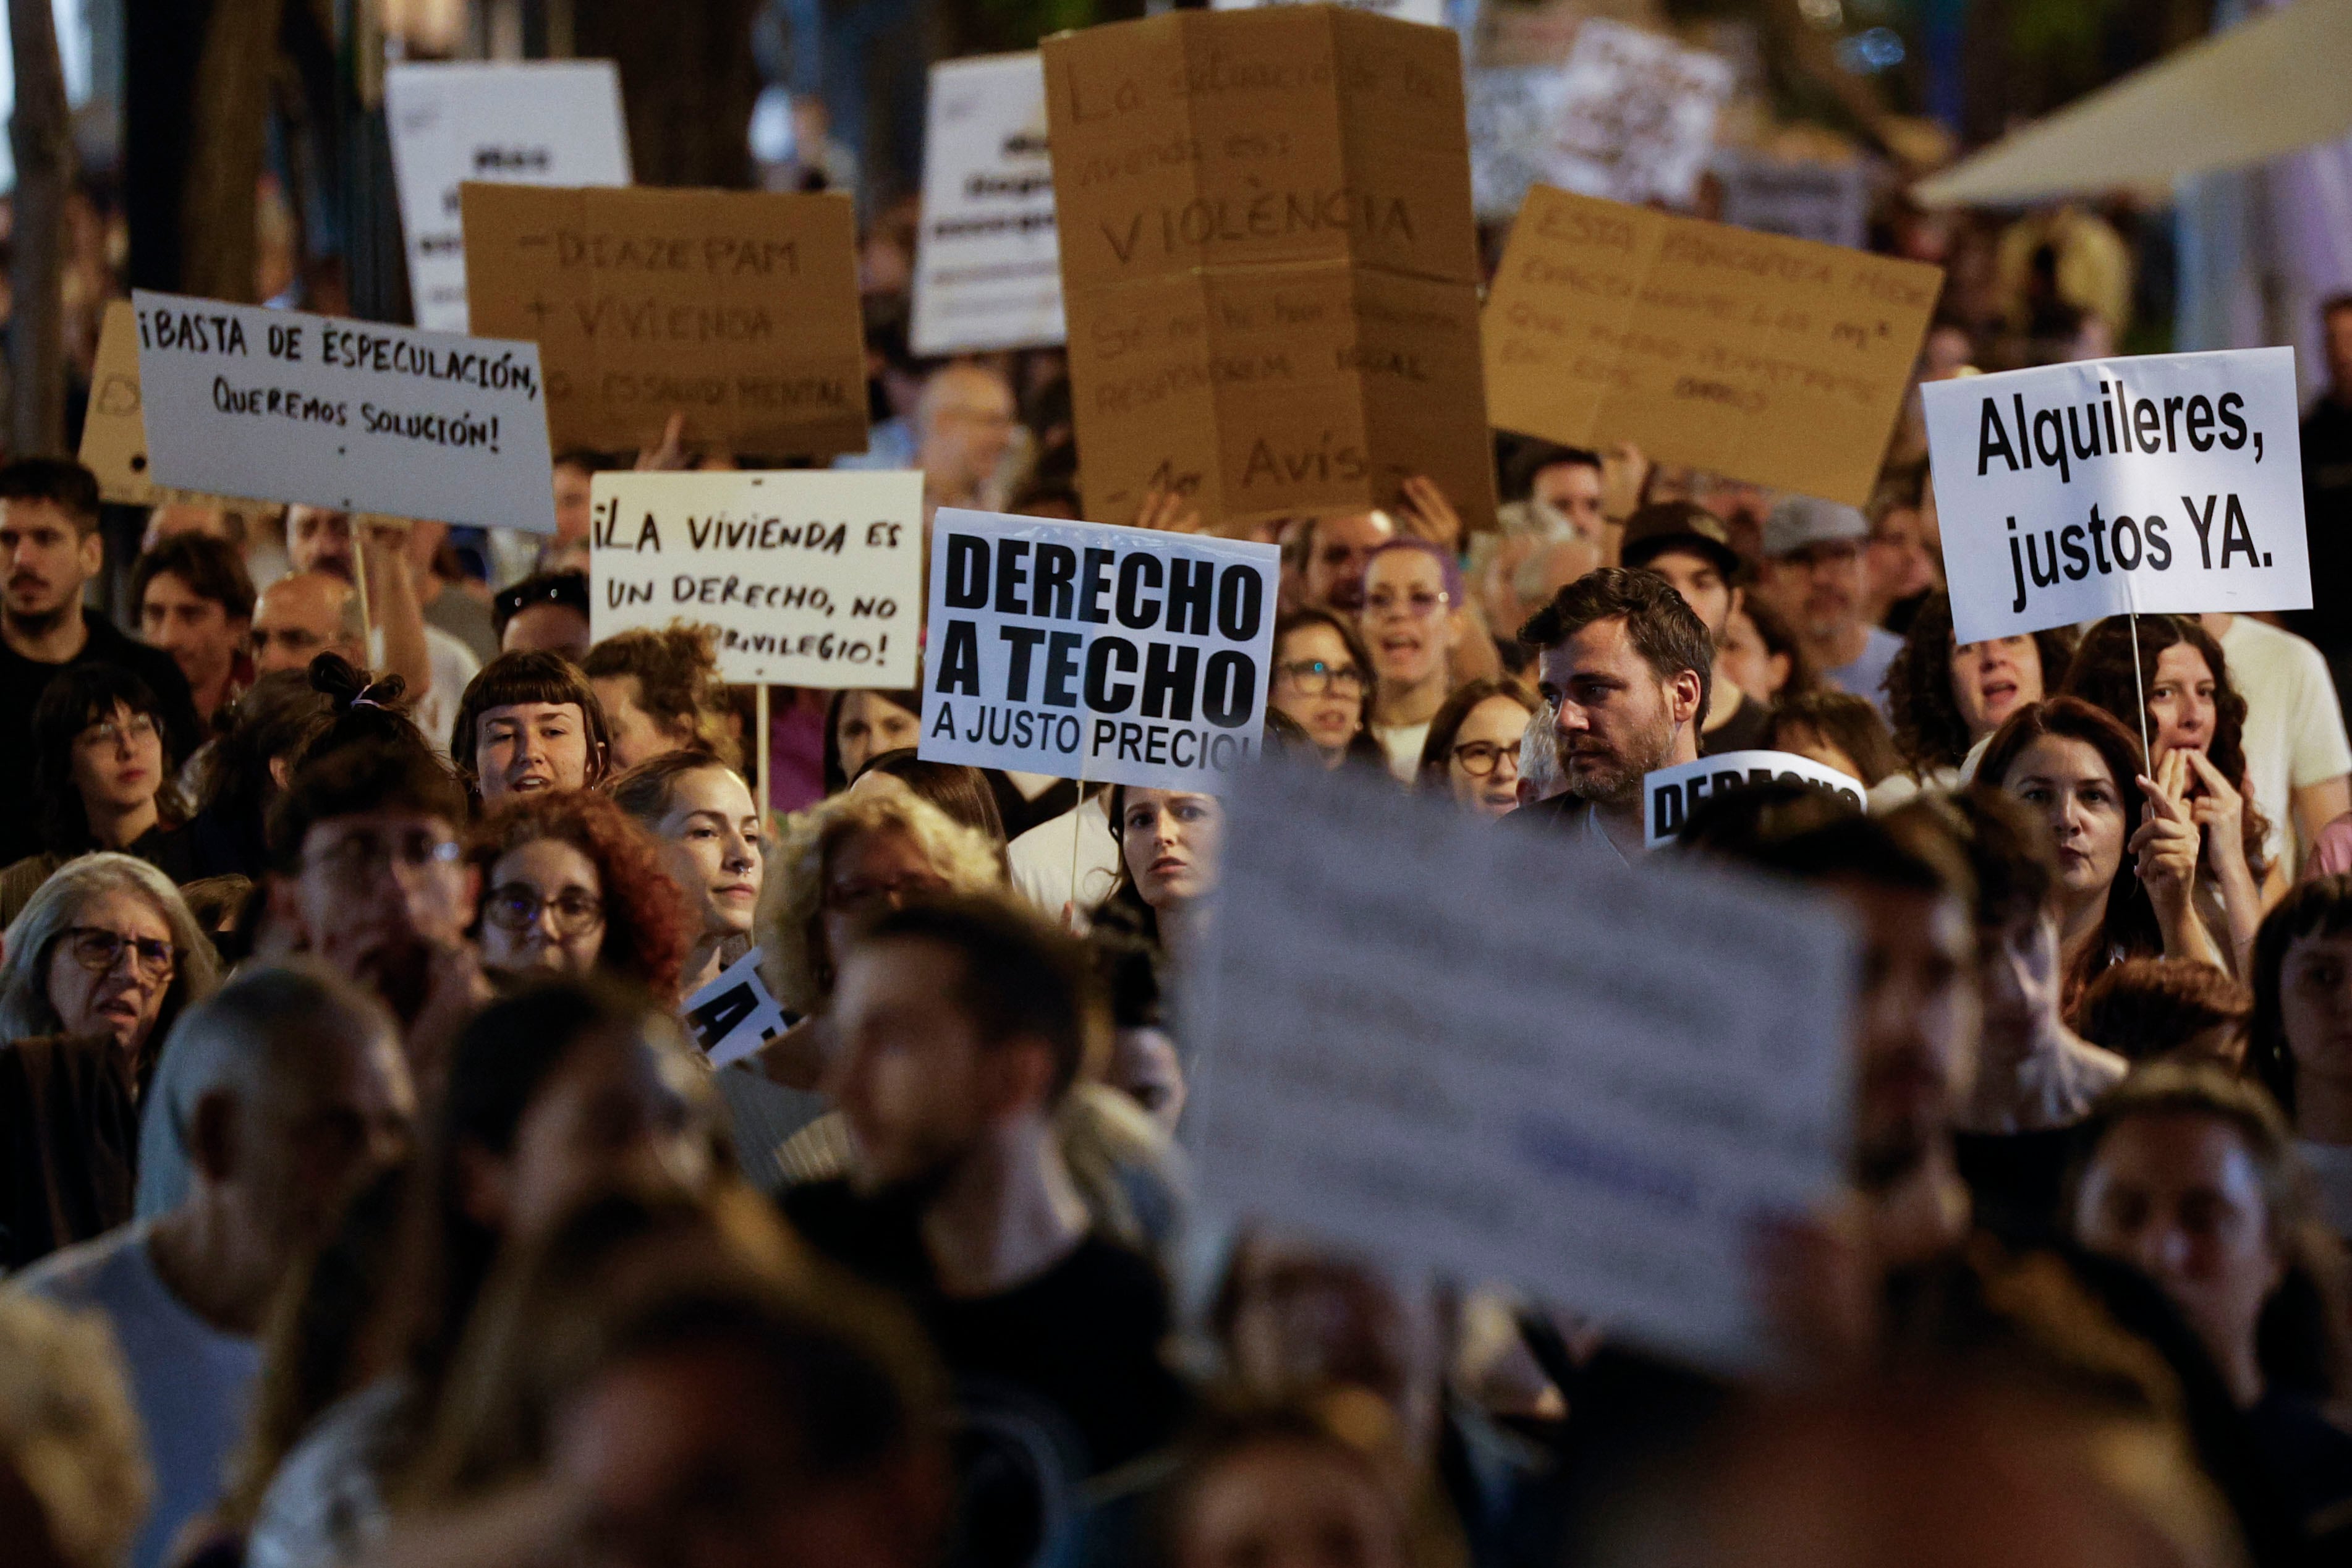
1411 622
1472 750
571 886
101 781
1322 675
102 960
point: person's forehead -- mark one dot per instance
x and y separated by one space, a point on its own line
121 909
1568 476
529 713
1603 644
395 819
1315 641
34 512
303 597
1899 921
544 857
1411 566
171 588
1494 715
2184 658
2065 758
314 520
1681 562
716 791
2191 1148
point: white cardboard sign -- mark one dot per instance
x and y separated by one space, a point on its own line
1636 117
1498 1054
1429 12
1800 198
1671 794
2169 482
988 266
734 1016
538 122
811 578
279 405
1084 651
1511 110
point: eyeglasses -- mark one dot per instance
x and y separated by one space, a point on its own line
98 950
866 898
107 732
1314 678
357 862
1419 605
1480 758
516 907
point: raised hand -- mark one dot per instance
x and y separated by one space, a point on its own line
1166 512
670 455
2167 841
1428 515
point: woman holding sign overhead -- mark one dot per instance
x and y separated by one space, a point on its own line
2195 721
2127 850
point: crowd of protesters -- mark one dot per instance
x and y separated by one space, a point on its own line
366 1199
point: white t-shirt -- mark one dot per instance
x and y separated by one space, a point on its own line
1040 859
2294 728
1403 742
191 1382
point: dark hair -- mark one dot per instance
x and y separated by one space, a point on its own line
2103 674
2130 922
213 569
1903 853
2144 1008
2301 1339
1779 639
646 935
365 776
1130 971
1017 976
1663 629
60 481
274 720
1437 750
1339 1420
955 788
1362 746
644 790
528 677
78 696
568 588
2008 851
359 709
835 778
1929 733
2320 908
1737 824
1848 722
1533 457
677 671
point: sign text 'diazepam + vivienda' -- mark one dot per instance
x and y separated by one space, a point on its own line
1086 651
2170 482
279 405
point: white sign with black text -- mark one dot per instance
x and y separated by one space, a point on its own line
1084 651
2169 482
1671 795
1599 1102
536 122
987 264
277 405
811 577
734 1016
1636 118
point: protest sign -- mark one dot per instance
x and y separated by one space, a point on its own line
736 308
1802 200
988 271
1597 1101
1269 263
1511 110
734 1016
535 122
2171 482
114 433
1776 360
1429 13
1636 116
1672 794
1089 652
283 406
811 578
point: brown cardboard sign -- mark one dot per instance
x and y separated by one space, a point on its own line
1781 362
1269 264
114 431
738 308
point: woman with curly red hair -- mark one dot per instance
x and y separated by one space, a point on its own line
570 884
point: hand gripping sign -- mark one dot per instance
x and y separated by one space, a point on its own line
1671 795
2171 482
1086 651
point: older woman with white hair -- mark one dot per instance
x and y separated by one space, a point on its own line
100 962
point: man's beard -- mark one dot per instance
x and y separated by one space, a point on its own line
40 623
1614 781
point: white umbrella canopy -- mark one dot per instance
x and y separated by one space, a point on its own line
2269 86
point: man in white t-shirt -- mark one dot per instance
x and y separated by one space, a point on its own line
2296 754
291 1091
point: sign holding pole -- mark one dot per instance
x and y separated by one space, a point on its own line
809 578
279 405
1083 651
2169 482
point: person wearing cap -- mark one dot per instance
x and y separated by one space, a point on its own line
1813 575
1689 547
